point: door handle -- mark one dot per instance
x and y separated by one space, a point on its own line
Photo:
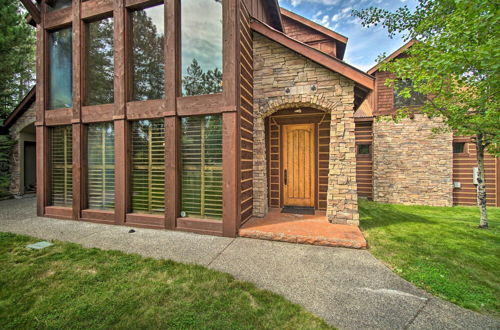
285 177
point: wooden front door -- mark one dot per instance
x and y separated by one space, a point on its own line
298 170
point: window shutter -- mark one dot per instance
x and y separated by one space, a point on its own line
101 166
201 154
61 169
148 166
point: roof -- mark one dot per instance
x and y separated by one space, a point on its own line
273 8
361 78
314 26
398 52
21 108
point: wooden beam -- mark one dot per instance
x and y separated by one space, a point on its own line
32 10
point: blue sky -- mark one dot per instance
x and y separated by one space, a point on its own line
364 44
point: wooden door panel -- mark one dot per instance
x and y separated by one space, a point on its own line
298 164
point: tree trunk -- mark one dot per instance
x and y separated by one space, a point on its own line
481 187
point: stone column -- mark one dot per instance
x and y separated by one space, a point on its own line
260 205
342 197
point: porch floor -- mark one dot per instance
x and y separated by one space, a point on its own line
305 229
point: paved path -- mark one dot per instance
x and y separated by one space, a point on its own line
348 288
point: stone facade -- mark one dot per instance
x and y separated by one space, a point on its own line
20 132
284 79
411 164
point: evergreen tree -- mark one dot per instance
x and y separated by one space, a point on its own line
17 56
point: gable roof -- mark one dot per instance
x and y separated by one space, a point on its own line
361 78
314 26
21 108
273 8
398 52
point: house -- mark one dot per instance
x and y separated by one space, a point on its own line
198 115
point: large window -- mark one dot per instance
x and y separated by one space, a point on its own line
61 166
100 64
148 166
201 46
201 155
415 99
60 61
101 166
147 54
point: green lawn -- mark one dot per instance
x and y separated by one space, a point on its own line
68 286
439 249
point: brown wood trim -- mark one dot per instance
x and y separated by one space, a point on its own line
363 119
315 55
59 212
57 19
200 105
98 216
202 226
140 4
121 171
78 162
172 56
21 108
96 9
231 51
41 169
392 56
230 175
149 109
120 58
172 171
32 10
58 117
97 113
145 220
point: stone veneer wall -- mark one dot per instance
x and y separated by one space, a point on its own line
284 79
411 164
16 162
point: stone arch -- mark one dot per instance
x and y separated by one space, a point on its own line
260 184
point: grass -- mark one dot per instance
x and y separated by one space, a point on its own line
69 286
439 249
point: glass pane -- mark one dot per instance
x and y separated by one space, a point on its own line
61 166
148 166
458 147
59 4
101 166
60 79
201 46
363 149
147 54
100 64
201 156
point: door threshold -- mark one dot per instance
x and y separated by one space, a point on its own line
298 210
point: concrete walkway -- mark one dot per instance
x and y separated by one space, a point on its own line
348 288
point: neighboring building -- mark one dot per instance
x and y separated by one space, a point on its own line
198 124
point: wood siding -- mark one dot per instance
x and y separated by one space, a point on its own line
384 95
274 153
258 10
463 164
364 163
246 115
309 36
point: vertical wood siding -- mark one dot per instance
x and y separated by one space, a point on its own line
463 164
257 9
364 163
385 94
309 36
246 115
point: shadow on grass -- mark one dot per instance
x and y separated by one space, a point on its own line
385 215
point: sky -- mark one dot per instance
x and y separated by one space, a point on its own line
365 44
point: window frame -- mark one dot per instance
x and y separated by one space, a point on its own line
370 147
415 96
465 150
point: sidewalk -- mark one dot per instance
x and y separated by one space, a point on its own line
348 288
